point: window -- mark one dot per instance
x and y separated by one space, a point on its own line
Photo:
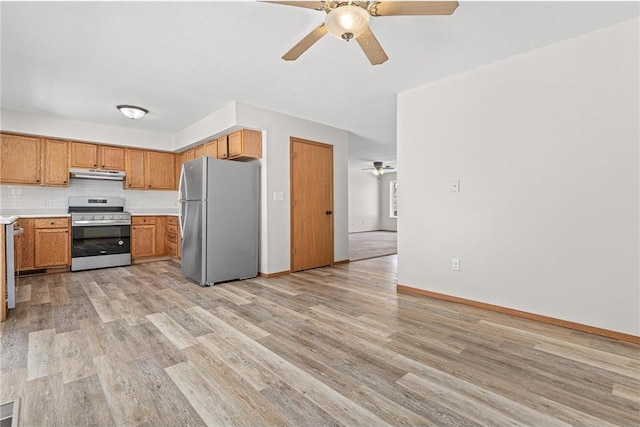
393 199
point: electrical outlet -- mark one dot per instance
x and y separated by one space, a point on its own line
278 196
45 202
455 264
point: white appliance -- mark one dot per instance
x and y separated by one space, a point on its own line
11 230
219 220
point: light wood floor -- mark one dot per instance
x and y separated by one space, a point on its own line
372 244
335 346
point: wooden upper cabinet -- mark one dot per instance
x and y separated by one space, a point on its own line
223 148
198 152
242 143
211 149
55 163
112 158
160 170
20 159
134 169
188 155
84 155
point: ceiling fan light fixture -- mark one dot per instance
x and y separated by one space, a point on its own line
347 22
132 111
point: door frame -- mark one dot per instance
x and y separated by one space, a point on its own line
293 139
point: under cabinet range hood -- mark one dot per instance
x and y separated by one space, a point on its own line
96 174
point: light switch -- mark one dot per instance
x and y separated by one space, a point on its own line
278 196
455 186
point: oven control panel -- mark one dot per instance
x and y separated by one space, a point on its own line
97 219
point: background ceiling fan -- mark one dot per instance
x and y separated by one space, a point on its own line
347 20
378 169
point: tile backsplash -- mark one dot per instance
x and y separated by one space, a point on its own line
34 200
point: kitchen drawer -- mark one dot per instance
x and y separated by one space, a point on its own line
172 237
141 220
172 249
172 220
52 222
172 229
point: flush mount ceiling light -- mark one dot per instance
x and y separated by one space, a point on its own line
132 111
347 22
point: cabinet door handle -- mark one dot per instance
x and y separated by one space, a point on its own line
328 212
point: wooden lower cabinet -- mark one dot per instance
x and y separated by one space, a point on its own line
143 237
52 247
25 245
174 241
148 236
44 243
143 241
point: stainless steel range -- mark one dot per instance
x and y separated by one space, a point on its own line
101 233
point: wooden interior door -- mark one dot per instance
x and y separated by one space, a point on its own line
311 204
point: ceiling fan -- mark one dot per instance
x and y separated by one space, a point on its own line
378 169
348 20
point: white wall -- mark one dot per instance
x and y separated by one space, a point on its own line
387 223
364 201
276 219
546 145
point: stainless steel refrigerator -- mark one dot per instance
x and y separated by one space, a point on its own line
219 220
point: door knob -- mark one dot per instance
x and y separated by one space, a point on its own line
328 212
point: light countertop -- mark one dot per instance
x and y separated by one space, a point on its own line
8 219
154 214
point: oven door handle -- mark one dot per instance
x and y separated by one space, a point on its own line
100 222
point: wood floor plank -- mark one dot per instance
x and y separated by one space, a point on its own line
631 393
172 330
73 355
205 399
121 391
59 295
233 297
41 359
89 403
163 399
476 403
23 293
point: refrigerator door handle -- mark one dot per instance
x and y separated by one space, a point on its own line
181 216
182 183
181 199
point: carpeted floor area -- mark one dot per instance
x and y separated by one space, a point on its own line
372 244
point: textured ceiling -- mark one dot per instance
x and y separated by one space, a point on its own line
185 60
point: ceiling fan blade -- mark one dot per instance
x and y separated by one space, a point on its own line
371 47
390 8
305 43
317 5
